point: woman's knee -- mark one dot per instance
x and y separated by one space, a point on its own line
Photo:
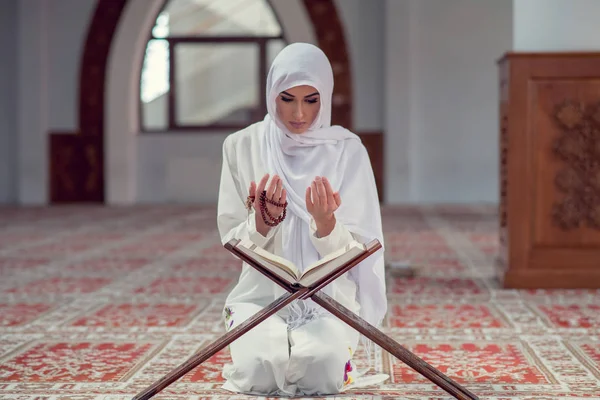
255 371
325 373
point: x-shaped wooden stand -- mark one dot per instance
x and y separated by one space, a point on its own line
328 304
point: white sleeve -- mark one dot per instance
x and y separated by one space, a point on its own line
233 219
255 236
338 238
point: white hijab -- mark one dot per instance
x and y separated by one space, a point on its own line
323 150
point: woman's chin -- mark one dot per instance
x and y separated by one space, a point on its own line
297 131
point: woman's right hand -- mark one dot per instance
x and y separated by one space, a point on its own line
274 192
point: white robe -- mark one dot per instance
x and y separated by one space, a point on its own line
302 350
271 359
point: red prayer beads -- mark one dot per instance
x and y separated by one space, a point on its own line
269 219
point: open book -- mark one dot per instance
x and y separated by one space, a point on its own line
313 273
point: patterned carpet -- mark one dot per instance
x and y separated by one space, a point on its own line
97 303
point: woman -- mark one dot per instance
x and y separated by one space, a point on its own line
315 193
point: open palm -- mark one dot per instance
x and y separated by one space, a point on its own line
321 201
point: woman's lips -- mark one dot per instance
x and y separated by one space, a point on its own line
297 125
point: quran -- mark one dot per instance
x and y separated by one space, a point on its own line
313 273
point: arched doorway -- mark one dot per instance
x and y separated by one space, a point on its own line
78 170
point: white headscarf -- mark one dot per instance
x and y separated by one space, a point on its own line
323 150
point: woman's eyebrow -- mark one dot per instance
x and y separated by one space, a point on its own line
291 95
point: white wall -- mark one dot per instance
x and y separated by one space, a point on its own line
8 98
556 25
442 99
68 22
50 38
32 112
179 168
399 125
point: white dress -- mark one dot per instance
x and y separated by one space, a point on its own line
297 351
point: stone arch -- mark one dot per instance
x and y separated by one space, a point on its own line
97 162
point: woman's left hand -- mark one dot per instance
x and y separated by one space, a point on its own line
321 201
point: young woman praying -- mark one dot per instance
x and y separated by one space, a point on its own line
299 188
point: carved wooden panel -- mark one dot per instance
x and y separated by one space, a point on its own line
74 168
578 146
564 137
550 170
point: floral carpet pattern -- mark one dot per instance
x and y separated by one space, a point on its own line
99 302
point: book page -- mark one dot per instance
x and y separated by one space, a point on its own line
315 274
268 265
273 259
332 256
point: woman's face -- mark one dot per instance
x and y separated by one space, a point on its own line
298 107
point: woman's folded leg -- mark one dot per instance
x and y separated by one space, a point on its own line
260 357
320 353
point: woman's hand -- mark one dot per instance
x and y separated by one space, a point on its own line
275 192
321 203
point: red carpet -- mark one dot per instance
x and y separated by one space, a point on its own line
97 303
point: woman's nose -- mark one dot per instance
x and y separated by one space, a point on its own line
298 112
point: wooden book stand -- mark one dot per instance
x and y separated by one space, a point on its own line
325 301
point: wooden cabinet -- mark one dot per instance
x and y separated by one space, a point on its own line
549 170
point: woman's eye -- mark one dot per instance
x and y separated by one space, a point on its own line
286 99
312 101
